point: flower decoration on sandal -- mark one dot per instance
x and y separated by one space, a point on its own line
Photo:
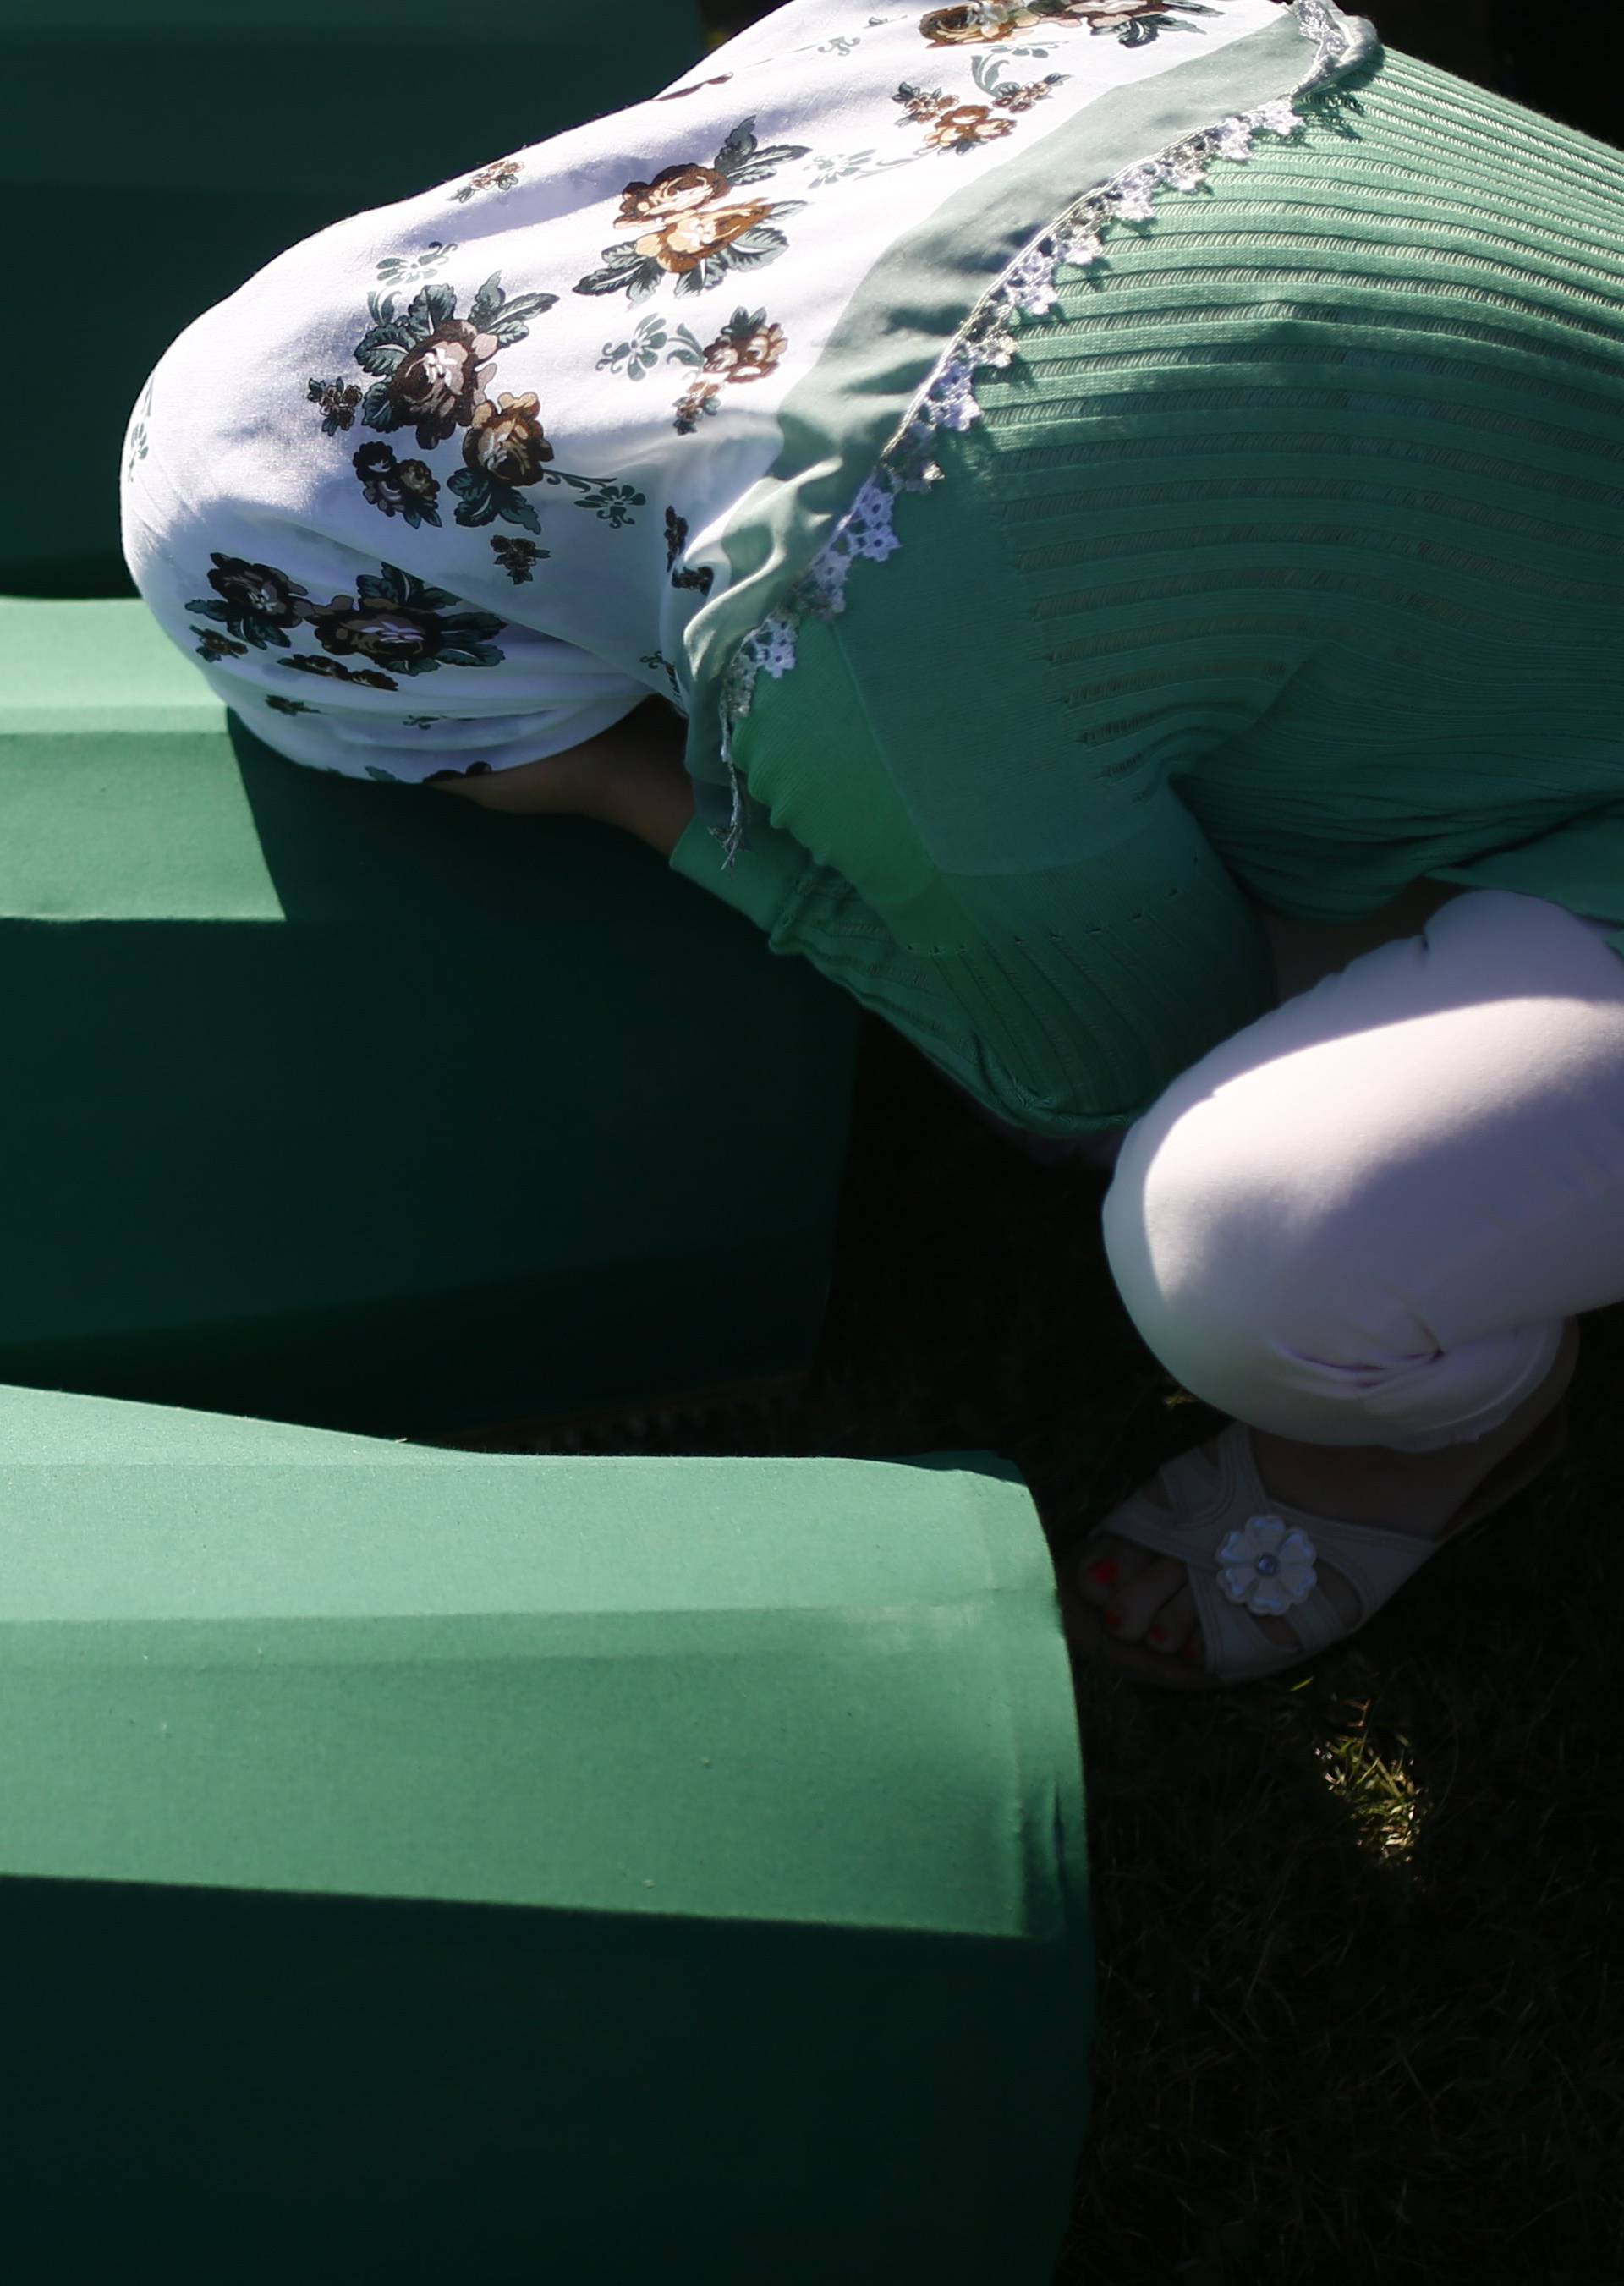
1267 1566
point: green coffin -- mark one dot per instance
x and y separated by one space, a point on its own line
355 1106
417 1864
154 154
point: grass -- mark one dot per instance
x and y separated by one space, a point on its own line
1357 1927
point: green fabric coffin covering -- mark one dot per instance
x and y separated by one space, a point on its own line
154 154
353 1104
418 1863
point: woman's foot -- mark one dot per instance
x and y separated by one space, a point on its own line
1146 1598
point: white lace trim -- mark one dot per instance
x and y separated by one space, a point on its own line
1074 239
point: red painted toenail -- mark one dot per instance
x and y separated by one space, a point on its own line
1112 1619
1104 1571
1157 1635
1191 1651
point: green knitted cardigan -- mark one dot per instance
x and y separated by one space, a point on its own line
1281 565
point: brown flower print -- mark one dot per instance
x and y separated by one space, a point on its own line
518 557
748 348
946 28
681 203
501 173
675 190
375 627
700 397
965 125
291 705
258 589
213 645
688 226
955 126
255 603
404 488
330 666
1111 15
971 25
506 441
400 623
676 540
1023 98
749 353
437 382
337 399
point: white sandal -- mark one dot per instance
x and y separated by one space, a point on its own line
1247 1552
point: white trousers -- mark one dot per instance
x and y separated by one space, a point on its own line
1362 1219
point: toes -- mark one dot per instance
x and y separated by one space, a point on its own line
1136 1590
1175 1623
1147 1599
1139 1605
1108 1564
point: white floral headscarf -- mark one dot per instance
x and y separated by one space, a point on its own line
456 483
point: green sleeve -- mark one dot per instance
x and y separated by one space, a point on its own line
806 908
1064 1000
1061 938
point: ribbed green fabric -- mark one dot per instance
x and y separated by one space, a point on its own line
1286 565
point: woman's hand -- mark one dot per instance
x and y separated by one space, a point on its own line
631 775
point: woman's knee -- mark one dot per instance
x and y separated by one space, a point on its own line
1220 1244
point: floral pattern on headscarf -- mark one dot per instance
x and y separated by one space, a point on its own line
983 22
689 225
956 126
392 620
432 370
431 352
749 348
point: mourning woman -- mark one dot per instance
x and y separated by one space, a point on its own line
1099 523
